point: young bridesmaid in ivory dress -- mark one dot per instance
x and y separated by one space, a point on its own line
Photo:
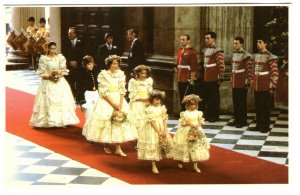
111 121
54 104
154 141
139 89
190 143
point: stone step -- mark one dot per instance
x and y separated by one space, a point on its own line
17 66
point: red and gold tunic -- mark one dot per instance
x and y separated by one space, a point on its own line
187 64
214 66
264 72
241 62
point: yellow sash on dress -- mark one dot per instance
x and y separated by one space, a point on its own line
113 89
193 120
143 94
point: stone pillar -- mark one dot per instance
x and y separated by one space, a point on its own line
55 26
164 31
187 22
18 59
229 22
21 14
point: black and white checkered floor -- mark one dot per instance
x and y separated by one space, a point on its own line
35 165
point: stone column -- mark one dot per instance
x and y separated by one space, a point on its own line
21 14
17 59
55 26
187 22
229 22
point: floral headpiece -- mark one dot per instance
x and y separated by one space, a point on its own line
157 93
191 97
110 58
142 67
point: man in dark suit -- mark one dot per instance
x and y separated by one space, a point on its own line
136 53
73 50
105 50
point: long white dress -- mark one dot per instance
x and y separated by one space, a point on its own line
185 151
99 127
139 89
54 104
148 142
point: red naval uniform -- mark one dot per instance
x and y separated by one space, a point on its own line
264 80
187 69
241 62
213 72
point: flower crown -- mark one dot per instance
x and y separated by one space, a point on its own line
110 58
157 93
191 97
142 67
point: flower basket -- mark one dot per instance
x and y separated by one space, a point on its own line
118 117
194 136
164 145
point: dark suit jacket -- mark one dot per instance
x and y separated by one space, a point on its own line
136 55
86 82
102 53
73 53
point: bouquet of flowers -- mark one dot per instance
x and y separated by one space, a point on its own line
119 116
164 145
54 76
194 136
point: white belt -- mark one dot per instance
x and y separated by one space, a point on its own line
209 65
262 73
184 66
238 71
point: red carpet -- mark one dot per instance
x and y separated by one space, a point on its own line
224 166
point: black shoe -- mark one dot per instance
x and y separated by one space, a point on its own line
232 123
240 125
212 120
253 129
265 130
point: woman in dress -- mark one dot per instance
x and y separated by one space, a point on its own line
111 119
190 143
54 104
139 89
154 141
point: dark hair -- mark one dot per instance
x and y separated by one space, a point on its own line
212 34
265 39
42 20
73 29
140 68
240 39
187 100
107 35
156 94
49 45
86 60
187 36
31 19
110 59
133 32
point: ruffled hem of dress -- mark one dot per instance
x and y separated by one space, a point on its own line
101 131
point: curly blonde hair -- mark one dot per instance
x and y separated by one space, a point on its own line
189 98
111 58
140 68
157 94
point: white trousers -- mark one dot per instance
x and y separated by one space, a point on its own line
91 98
